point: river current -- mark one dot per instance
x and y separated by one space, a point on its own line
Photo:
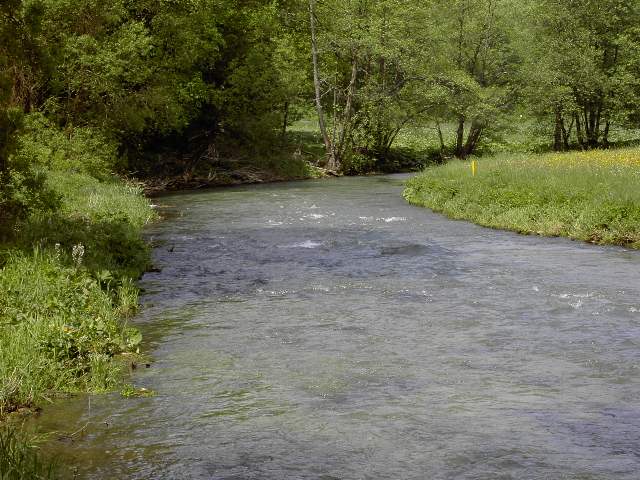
328 330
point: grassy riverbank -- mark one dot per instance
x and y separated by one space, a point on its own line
67 283
591 196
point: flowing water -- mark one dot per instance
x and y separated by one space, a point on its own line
328 330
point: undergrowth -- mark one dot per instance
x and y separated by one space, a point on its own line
67 283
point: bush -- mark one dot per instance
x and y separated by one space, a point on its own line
357 163
76 149
22 188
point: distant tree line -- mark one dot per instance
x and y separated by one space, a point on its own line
137 73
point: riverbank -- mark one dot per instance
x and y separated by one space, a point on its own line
231 174
590 196
67 279
201 165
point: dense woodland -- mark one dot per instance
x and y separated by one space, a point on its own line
102 87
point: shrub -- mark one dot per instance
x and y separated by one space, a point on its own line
22 188
76 149
357 163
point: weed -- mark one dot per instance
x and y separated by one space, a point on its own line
129 391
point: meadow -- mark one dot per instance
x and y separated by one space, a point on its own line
591 196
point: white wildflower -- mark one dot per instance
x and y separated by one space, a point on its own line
77 254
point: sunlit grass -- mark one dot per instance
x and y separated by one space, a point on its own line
86 197
591 196
67 289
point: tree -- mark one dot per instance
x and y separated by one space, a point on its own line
366 58
476 66
21 189
586 67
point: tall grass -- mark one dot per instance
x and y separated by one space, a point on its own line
591 196
67 290
66 281
59 327
66 284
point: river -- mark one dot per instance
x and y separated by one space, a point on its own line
328 330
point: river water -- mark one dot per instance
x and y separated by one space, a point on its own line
328 330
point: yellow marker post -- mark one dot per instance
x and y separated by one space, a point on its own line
474 167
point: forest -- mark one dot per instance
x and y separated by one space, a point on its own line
102 102
133 85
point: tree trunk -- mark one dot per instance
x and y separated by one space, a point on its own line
566 134
348 109
441 138
579 134
392 138
460 138
605 135
591 125
285 121
557 134
472 139
331 160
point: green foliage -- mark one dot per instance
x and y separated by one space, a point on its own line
121 84
80 150
129 391
105 218
587 196
22 187
62 317
67 286
60 327
582 74
358 163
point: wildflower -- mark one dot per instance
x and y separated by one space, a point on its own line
77 254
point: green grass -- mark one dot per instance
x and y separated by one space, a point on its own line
67 284
590 196
67 272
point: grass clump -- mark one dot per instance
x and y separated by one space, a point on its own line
590 196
